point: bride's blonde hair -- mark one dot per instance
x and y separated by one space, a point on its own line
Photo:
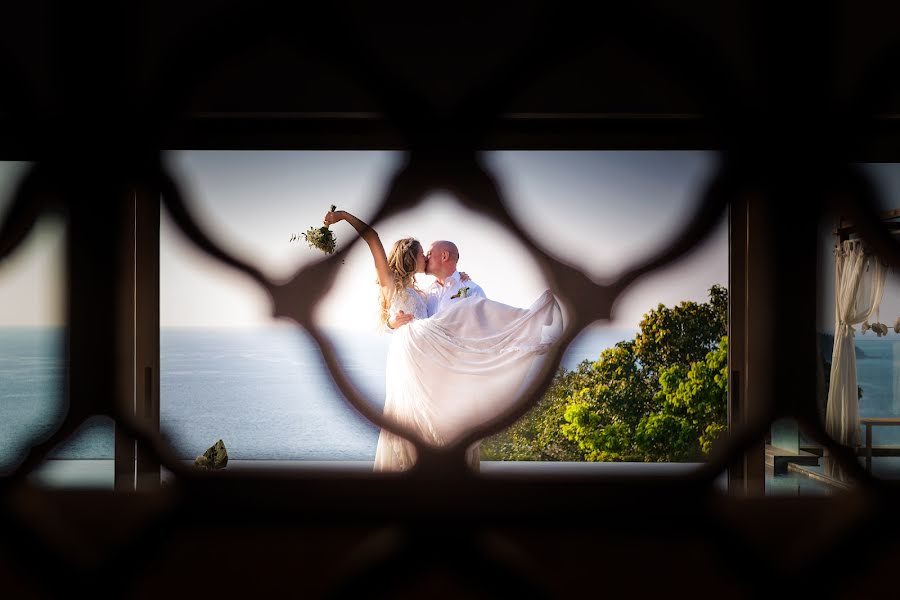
402 261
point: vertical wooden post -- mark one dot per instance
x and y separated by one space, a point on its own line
138 337
147 327
749 326
869 448
737 306
124 460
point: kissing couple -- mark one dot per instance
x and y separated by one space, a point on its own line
456 358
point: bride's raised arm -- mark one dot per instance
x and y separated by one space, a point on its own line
370 236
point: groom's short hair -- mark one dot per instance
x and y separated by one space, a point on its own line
449 247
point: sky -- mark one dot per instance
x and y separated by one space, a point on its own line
600 211
31 279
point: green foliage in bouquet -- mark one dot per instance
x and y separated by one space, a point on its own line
320 238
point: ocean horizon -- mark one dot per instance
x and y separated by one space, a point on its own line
264 391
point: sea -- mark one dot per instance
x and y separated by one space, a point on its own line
265 392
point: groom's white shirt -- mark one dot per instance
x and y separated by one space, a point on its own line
439 296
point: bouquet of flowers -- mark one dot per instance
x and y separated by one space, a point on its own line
319 237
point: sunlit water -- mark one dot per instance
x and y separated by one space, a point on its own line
264 392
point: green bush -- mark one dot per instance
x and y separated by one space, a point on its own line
658 397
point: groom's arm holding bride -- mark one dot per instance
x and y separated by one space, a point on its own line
402 318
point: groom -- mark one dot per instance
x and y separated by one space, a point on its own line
440 261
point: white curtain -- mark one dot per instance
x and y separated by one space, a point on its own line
858 288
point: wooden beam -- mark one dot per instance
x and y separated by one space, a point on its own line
124 453
845 224
146 365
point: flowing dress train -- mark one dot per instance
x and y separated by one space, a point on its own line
458 368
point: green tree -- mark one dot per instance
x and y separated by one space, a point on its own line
602 414
658 397
661 397
537 435
692 413
681 335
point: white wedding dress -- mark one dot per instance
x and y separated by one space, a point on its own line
458 368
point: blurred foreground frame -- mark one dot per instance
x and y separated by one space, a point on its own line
95 94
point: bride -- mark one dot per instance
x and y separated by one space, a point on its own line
455 369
